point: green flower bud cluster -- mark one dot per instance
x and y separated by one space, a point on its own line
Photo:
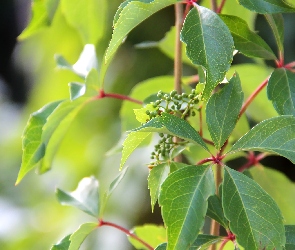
163 148
173 103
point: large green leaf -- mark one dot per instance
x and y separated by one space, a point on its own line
254 217
209 44
275 135
132 141
281 91
156 177
173 125
33 150
276 183
79 236
152 234
247 41
290 237
56 127
88 17
162 246
84 197
276 22
223 109
215 211
184 200
128 17
39 20
261 108
267 6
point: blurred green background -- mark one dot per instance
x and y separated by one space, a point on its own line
30 216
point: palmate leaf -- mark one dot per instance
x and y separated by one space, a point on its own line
267 6
62 244
275 135
173 125
152 234
156 177
276 22
281 91
88 17
247 41
132 141
215 211
79 236
129 15
290 237
254 217
33 150
84 197
184 201
209 44
223 109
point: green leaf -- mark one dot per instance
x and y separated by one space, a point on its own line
267 6
261 108
215 211
33 150
209 44
108 193
222 111
85 197
88 17
276 23
162 246
173 125
56 127
247 41
203 241
63 244
76 90
184 200
129 17
275 135
254 217
132 141
281 91
79 236
275 183
152 234
157 176
290 237
39 20
86 61
51 7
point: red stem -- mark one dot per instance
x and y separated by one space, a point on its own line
252 160
102 94
290 65
252 96
221 6
124 230
205 161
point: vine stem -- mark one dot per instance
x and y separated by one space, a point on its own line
126 231
102 94
178 59
252 96
214 5
221 6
